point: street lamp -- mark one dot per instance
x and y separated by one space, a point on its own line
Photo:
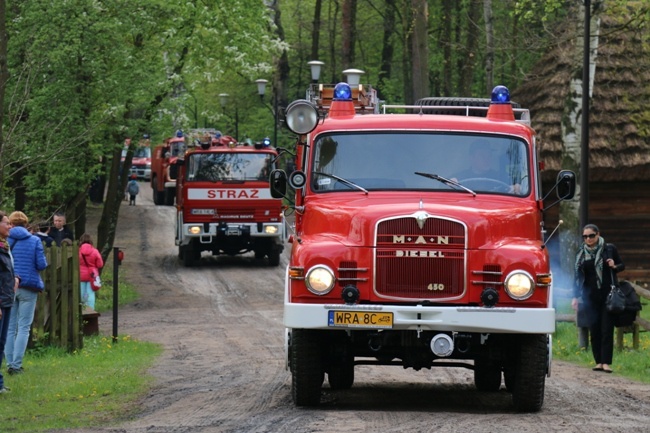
315 66
223 100
261 89
353 76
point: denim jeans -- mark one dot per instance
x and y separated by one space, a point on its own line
4 326
19 326
87 294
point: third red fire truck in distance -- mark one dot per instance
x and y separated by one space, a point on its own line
418 242
223 201
164 169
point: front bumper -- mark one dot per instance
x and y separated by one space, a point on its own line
421 318
207 231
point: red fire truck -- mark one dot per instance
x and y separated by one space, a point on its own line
223 201
164 169
141 163
418 242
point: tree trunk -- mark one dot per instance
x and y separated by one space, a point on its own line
118 178
4 77
387 44
407 51
349 30
467 61
489 45
420 45
572 135
315 30
445 41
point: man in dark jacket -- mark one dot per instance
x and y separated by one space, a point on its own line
60 231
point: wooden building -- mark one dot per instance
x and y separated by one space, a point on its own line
619 133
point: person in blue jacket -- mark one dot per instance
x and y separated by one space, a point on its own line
8 284
29 260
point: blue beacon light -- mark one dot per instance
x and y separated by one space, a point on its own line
342 92
266 142
500 95
179 133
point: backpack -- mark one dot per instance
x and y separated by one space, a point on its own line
134 188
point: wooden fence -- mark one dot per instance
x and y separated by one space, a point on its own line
58 316
620 332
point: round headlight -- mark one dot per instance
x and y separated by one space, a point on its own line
301 117
519 285
320 280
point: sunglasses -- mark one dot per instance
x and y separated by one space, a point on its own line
590 236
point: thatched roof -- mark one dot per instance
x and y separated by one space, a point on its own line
619 136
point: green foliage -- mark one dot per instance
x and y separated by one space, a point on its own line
61 390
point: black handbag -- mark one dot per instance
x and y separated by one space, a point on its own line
615 302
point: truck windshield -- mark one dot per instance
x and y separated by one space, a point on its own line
392 160
214 167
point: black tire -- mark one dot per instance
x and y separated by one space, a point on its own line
341 373
188 255
181 252
509 378
158 196
530 373
487 376
306 367
170 195
274 256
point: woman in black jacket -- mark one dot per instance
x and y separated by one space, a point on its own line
8 284
596 266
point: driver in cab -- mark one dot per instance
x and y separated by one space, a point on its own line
481 175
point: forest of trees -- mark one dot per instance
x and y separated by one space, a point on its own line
77 77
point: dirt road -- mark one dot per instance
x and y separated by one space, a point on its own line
223 368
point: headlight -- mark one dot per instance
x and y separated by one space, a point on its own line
195 230
271 230
320 280
519 285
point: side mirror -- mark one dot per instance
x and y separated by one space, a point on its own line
278 183
566 185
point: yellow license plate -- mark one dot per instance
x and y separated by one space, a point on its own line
360 319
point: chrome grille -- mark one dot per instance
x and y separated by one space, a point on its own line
420 263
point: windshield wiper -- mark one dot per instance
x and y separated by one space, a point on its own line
446 181
343 181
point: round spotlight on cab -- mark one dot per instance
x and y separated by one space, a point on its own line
519 285
301 117
320 280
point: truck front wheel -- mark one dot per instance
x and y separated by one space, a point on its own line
170 195
487 375
158 196
530 373
274 255
340 374
306 367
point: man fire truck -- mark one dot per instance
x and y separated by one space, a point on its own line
223 201
164 169
397 259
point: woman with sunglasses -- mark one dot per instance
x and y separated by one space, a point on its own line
597 263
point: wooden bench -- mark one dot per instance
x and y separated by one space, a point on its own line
90 319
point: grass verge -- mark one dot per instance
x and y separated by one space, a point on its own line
92 387
82 389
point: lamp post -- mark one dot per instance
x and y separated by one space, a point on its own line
261 90
223 100
315 66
